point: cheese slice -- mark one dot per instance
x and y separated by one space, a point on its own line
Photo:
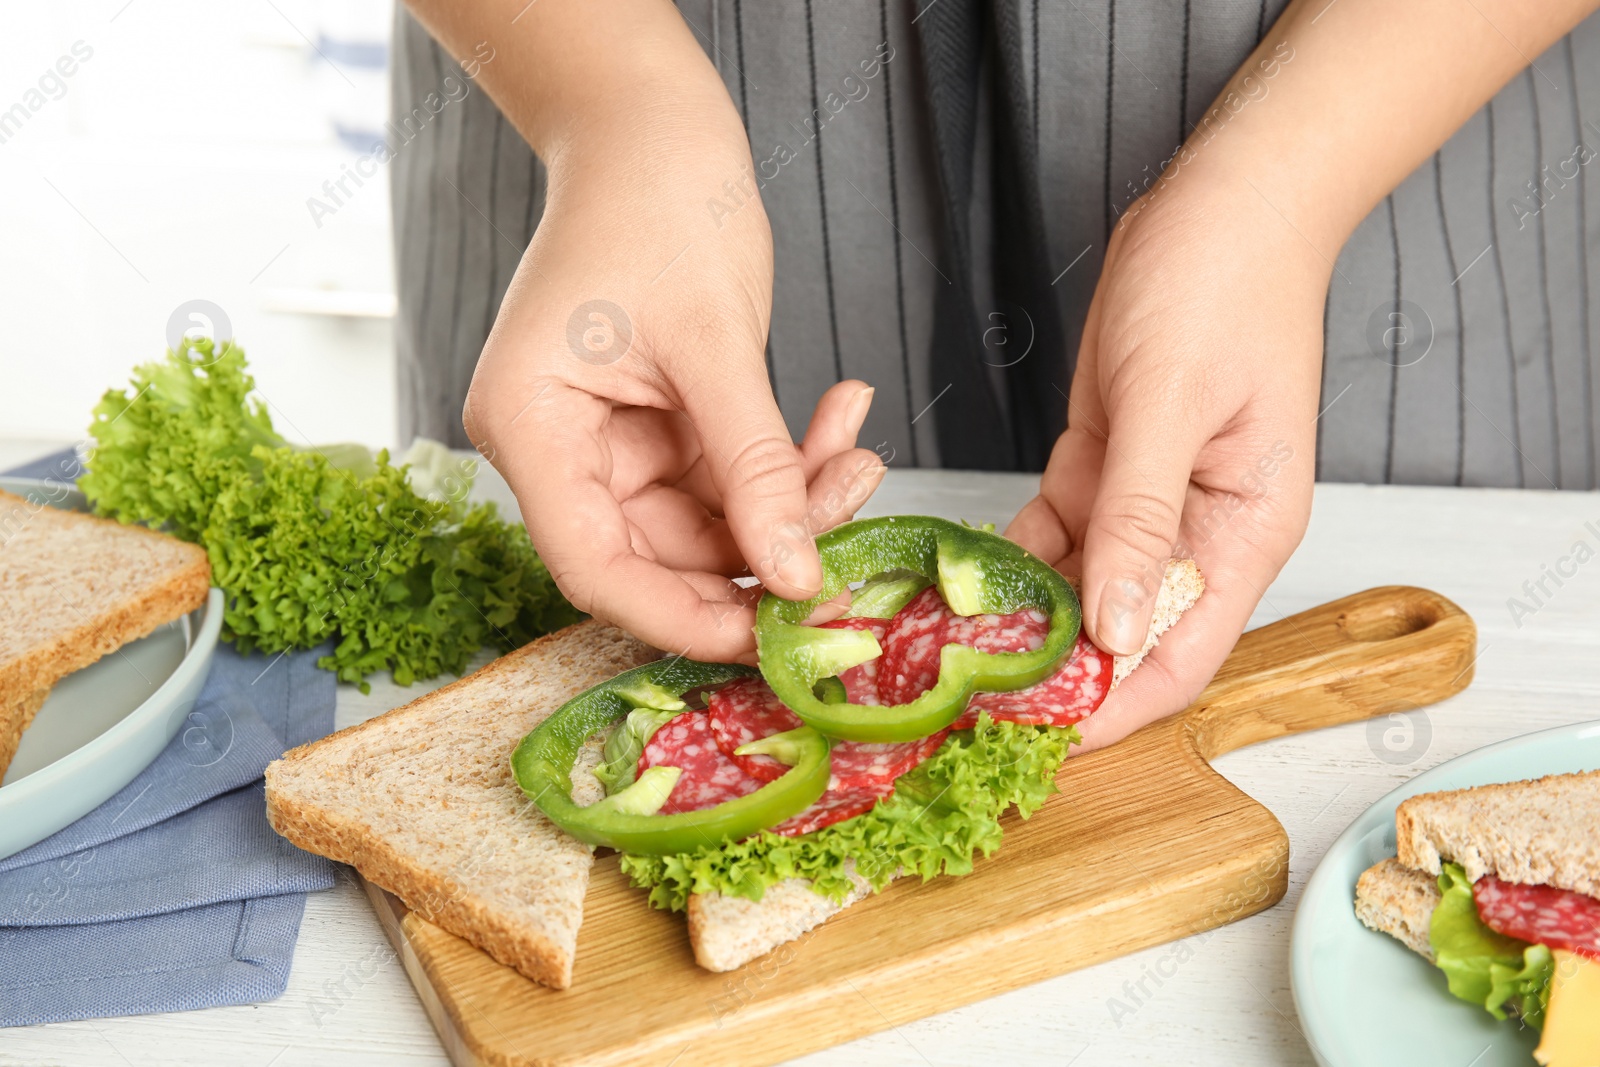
1572 1022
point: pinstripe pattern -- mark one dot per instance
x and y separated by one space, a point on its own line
894 223
822 196
868 279
1455 266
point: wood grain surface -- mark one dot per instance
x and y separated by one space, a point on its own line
1145 844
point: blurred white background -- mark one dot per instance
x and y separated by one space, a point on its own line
175 164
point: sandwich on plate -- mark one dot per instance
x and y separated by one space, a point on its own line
885 742
1499 887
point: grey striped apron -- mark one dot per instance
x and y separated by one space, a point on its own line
919 246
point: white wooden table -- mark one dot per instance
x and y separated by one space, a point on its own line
1226 1001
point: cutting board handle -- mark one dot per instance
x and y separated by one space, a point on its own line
1390 649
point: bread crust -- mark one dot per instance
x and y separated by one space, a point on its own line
74 588
16 713
435 897
1394 899
322 797
1539 832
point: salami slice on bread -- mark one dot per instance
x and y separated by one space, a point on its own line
728 932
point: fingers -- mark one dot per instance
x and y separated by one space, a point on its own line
559 465
1134 520
1038 529
835 424
1174 673
678 532
701 616
1237 570
757 472
672 526
649 446
840 487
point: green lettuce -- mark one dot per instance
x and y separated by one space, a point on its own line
625 744
941 815
1484 967
318 543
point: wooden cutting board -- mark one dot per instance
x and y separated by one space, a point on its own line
1145 844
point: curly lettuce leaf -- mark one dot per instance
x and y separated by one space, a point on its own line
313 544
187 430
942 814
625 744
1482 966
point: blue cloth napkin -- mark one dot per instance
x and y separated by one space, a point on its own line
233 953
62 465
175 894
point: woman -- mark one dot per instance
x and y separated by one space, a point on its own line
970 204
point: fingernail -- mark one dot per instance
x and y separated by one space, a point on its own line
873 473
802 571
1120 617
859 405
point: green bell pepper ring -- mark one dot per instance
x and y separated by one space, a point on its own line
977 571
626 820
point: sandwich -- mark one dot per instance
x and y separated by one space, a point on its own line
1498 886
885 742
74 588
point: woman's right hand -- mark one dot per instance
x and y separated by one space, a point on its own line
623 392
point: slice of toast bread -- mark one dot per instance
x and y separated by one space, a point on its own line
728 932
422 802
1181 587
1539 832
1397 900
73 588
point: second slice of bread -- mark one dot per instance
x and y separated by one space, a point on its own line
1393 899
422 802
1536 833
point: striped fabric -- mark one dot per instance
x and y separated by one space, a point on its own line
980 169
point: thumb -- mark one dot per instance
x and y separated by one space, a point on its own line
757 472
1134 523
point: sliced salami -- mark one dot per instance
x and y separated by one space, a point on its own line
921 629
836 805
1541 914
1067 696
709 776
745 711
861 682
860 764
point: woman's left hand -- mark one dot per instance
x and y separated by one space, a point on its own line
1191 425
1190 432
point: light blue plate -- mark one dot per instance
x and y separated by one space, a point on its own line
102 725
1364 998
